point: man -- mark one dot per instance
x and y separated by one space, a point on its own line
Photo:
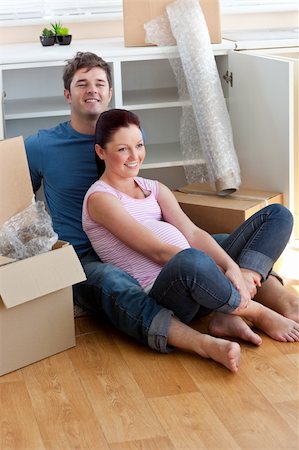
63 159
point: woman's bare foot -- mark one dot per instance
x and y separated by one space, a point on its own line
222 351
270 322
184 337
228 325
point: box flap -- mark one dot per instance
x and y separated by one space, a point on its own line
34 277
15 183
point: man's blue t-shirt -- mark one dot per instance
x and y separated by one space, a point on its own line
64 160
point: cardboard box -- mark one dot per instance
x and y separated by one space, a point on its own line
36 304
217 214
137 12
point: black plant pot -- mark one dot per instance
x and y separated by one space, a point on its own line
64 40
47 41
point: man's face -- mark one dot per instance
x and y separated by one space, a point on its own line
89 93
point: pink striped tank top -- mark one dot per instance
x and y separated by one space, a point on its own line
146 211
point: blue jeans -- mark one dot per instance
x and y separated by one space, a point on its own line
120 297
189 284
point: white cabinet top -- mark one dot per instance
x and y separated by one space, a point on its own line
256 39
109 49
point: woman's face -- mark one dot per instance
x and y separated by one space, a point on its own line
124 153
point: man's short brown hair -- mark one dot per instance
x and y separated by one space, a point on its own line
84 60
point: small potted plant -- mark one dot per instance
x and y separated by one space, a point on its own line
61 33
47 37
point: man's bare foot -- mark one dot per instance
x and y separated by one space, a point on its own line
279 298
290 305
228 325
222 351
270 322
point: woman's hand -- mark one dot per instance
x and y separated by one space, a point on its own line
252 281
234 274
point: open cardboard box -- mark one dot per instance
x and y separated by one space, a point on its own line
137 12
218 214
36 302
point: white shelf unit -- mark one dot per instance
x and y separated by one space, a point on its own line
261 103
143 81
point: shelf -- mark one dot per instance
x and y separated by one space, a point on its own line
263 39
25 108
108 48
166 155
152 98
30 108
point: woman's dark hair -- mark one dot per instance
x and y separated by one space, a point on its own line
108 123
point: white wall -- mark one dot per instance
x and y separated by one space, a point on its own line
90 30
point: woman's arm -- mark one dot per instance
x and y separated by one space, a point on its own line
196 237
201 240
107 210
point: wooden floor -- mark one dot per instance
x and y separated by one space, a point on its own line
109 392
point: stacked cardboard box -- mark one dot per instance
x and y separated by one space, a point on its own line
218 214
137 12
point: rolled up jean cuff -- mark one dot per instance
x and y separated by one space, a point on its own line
232 304
253 260
158 331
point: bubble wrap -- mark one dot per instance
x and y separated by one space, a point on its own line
205 127
28 233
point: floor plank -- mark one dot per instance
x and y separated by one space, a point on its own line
246 412
270 371
118 402
61 407
190 422
144 444
19 428
289 411
156 374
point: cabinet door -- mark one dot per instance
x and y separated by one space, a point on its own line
261 106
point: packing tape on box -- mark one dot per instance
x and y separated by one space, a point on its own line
257 198
205 132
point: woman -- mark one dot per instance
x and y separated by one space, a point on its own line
137 225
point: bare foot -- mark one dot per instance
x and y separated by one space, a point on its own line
279 298
290 306
224 352
273 324
227 325
184 337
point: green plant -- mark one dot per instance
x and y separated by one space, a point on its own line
59 30
64 31
56 27
47 33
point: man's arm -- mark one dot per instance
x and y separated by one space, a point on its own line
34 156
